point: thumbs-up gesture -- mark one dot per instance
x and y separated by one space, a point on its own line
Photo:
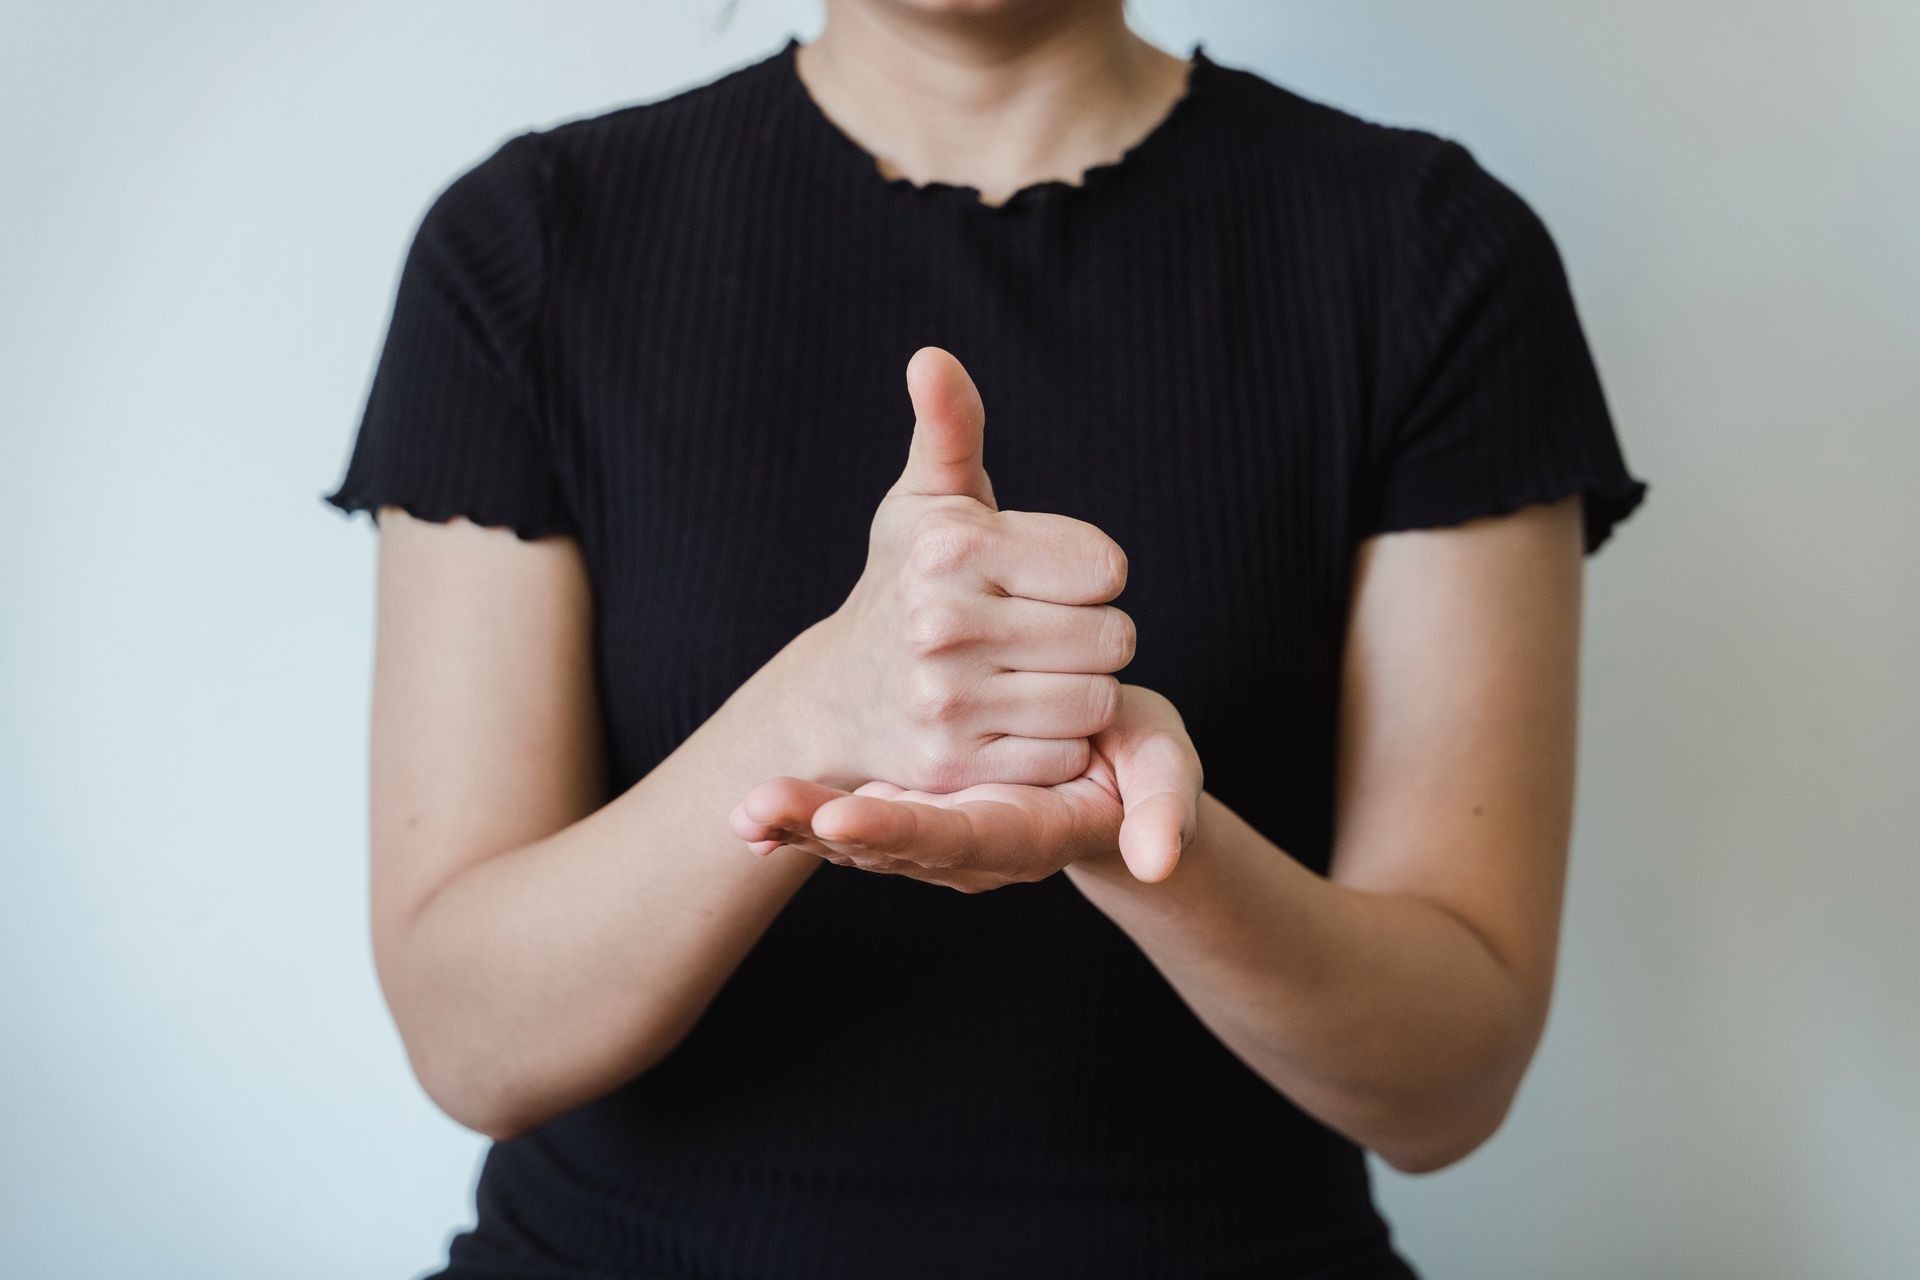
977 645
1000 747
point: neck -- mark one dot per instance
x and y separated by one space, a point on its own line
993 102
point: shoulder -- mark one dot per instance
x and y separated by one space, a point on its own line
1317 131
603 168
720 116
1378 178
480 243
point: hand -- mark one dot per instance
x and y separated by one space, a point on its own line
977 645
1137 800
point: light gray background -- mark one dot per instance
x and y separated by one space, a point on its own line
202 209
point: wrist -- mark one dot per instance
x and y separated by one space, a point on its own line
807 692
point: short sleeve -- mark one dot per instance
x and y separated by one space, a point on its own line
451 425
1490 401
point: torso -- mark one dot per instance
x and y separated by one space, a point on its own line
901 1079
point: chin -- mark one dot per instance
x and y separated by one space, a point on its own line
979 8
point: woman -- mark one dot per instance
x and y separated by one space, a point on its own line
662 583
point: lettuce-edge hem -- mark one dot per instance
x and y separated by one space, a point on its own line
1605 503
350 503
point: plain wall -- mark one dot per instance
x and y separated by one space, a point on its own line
202 213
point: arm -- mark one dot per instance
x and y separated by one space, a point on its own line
536 950
537 946
1400 998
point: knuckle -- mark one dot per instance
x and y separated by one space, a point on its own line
1074 759
942 769
933 627
943 543
1103 700
934 699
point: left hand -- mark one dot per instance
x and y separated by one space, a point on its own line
1137 801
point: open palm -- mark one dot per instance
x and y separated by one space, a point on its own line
1137 800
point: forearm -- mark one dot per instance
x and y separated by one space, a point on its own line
1383 1015
540 978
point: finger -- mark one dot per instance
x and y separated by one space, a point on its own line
795 841
980 834
949 425
1159 778
1038 635
1154 833
801 841
1031 762
778 805
1043 556
1048 704
892 827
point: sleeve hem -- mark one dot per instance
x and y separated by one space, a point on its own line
1604 504
526 528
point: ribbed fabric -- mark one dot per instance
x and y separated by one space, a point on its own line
677 331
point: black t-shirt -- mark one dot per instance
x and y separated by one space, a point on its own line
677 332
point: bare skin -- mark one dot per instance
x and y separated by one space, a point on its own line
537 950
1400 998
993 94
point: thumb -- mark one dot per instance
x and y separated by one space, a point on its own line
948 430
1154 833
1159 780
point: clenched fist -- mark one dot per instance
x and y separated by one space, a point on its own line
977 645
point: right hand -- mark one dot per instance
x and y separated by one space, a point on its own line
977 645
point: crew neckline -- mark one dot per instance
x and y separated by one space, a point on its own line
1159 136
